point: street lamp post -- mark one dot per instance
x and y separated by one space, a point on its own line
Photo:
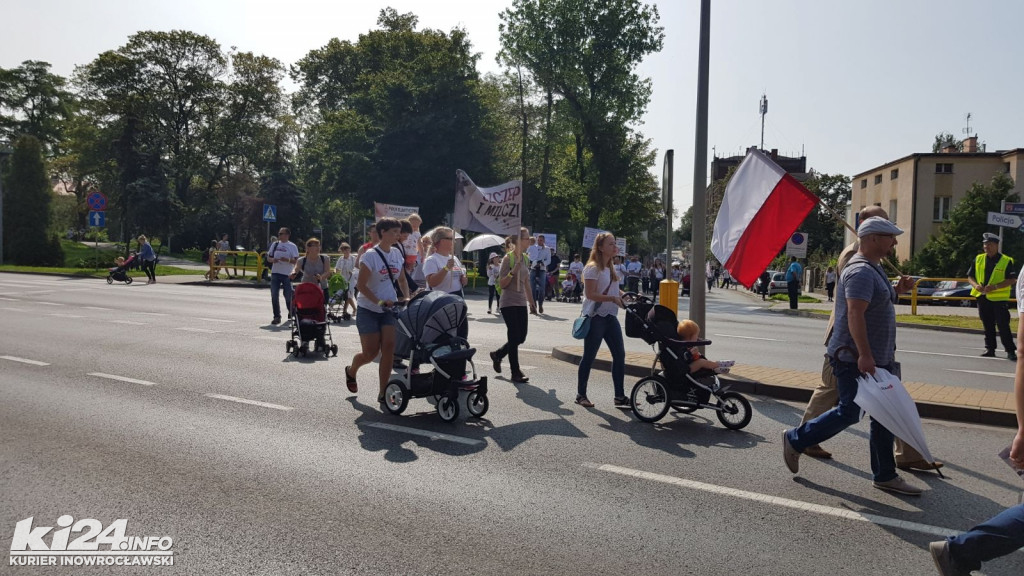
4 153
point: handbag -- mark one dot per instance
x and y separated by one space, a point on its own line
581 325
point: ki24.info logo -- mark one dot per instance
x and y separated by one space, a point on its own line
93 546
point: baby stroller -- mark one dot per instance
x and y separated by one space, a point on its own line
120 272
673 386
427 333
310 323
574 295
337 287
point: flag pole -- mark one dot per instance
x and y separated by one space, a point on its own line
842 220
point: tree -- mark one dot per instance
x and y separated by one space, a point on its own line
951 252
945 140
826 232
28 239
35 102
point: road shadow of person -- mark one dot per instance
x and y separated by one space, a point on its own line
536 397
643 434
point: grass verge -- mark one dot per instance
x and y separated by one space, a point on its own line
969 322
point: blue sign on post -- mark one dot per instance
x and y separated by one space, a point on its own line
97 218
1013 207
269 213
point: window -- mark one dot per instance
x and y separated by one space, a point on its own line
878 178
941 211
894 173
943 168
892 210
1006 167
864 183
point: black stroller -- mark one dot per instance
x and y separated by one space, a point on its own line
120 272
427 334
674 386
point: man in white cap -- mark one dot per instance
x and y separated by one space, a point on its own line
991 277
864 337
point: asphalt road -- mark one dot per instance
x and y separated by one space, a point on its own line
132 405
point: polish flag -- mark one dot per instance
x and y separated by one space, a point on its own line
762 207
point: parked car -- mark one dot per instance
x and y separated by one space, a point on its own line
924 288
778 285
948 288
757 283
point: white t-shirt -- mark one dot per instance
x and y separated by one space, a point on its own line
492 274
539 255
620 271
604 278
412 244
452 283
379 281
345 266
576 268
283 250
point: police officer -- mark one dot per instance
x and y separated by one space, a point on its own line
991 277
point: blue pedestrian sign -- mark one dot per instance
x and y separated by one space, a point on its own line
96 201
269 213
97 218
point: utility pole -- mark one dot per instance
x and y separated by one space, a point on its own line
698 282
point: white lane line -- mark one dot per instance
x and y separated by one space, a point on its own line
747 337
214 320
426 433
776 501
59 315
9 299
199 330
98 308
122 378
250 402
14 309
49 303
25 361
979 372
534 351
128 322
945 354
152 313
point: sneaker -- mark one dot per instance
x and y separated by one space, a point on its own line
496 362
989 354
944 560
789 454
622 402
541 308
899 486
276 320
582 401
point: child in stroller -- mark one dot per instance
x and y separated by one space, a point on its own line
337 287
689 331
572 290
310 322
120 270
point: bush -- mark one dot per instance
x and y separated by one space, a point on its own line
97 235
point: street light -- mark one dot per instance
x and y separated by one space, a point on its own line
5 151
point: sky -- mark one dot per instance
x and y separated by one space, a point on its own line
850 84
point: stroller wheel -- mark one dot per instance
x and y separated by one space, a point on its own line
288 346
735 413
295 348
649 399
334 349
477 404
396 397
110 280
448 409
127 279
685 409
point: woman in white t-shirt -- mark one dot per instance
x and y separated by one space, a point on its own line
380 279
346 266
601 301
443 270
493 267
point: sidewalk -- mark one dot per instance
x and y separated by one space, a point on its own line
933 401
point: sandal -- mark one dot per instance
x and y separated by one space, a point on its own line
350 381
582 401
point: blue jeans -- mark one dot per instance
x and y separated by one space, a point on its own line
539 282
276 282
812 432
996 537
605 328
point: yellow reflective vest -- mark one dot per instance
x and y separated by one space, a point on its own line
998 275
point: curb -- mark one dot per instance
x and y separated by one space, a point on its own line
935 410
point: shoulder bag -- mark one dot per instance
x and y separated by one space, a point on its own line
581 325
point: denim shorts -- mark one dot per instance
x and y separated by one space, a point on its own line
370 322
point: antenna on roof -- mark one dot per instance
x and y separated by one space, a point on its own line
967 130
763 110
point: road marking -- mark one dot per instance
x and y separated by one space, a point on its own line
9 299
14 309
776 501
25 361
122 378
59 315
99 308
200 330
944 354
247 401
49 303
751 308
1003 374
152 313
748 337
534 351
214 320
130 322
426 433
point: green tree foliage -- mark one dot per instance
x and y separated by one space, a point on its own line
392 116
28 239
35 102
951 253
825 231
945 140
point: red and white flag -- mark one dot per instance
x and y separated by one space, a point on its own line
762 207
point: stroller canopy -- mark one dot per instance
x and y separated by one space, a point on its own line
433 315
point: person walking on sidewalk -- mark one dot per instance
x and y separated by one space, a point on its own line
516 293
148 257
991 277
601 301
540 258
282 256
1004 533
793 275
864 337
830 282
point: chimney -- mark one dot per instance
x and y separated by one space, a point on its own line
775 153
949 150
970 145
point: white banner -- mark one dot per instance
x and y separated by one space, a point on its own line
496 210
589 234
393 211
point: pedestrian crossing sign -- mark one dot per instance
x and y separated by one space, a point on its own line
269 213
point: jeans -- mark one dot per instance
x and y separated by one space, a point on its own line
883 463
276 282
516 319
605 328
996 537
539 282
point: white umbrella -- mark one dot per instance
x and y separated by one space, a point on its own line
883 396
431 231
482 241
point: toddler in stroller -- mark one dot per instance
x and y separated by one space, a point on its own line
686 381
337 287
572 291
120 271
310 322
